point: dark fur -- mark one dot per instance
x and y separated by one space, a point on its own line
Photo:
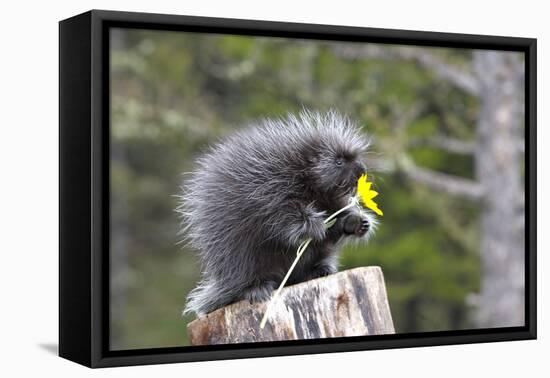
259 193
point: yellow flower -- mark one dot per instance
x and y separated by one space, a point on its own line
366 194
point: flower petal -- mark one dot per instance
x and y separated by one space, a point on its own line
366 194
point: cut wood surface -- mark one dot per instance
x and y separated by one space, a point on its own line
349 303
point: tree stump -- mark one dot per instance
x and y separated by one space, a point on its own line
349 303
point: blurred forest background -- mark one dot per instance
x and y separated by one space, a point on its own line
448 159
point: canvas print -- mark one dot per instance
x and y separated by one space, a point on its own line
276 189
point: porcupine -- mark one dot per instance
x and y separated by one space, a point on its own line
258 193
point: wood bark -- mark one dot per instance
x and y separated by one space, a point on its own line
349 303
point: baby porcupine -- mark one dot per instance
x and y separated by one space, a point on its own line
259 193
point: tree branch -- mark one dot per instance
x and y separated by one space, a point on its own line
441 181
421 56
453 145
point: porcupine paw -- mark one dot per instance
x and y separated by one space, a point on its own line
315 227
259 291
323 271
356 224
363 227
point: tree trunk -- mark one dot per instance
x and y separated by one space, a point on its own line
349 303
498 159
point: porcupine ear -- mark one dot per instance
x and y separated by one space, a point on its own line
312 157
313 151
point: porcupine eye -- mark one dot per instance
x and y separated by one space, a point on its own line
339 162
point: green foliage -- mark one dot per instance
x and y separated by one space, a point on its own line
174 93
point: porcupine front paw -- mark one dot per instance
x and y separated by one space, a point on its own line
356 224
260 291
309 223
323 270
314 224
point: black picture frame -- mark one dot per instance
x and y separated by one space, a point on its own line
84 187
